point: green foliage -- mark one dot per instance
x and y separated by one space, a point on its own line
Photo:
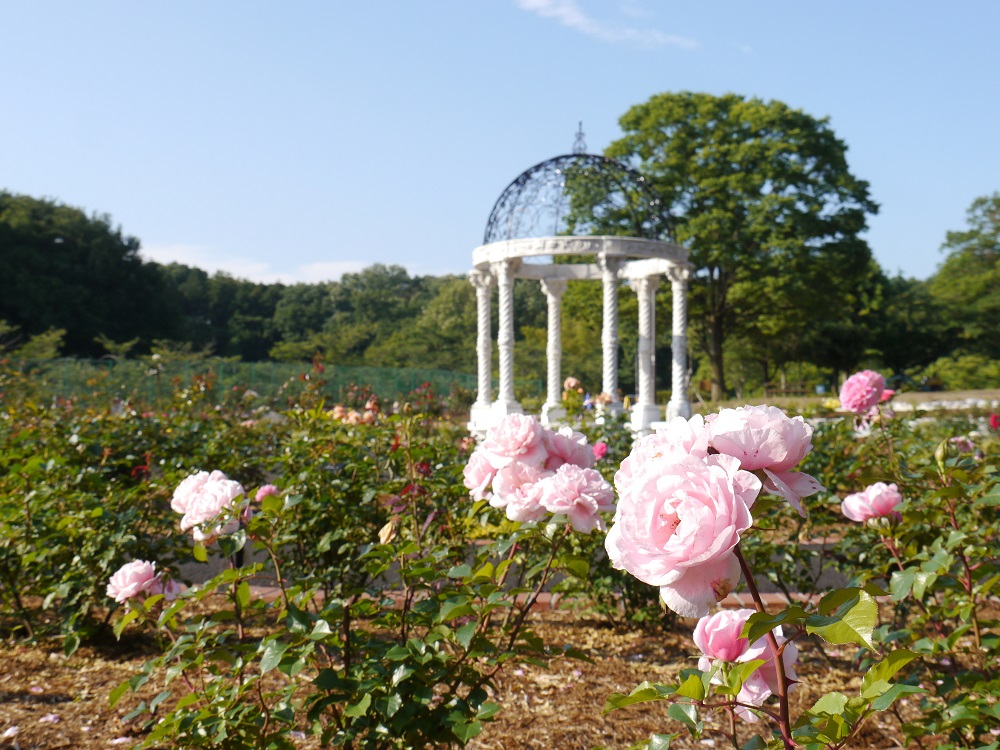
761 194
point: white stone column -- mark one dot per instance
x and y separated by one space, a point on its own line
679 406
645 411
479 414
506 403
609 334
553 411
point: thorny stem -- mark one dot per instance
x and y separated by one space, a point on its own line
784 720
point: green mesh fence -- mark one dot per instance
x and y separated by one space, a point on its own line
96 382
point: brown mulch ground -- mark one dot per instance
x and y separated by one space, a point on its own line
60 702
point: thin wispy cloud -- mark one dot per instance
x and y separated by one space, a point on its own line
244 268
569 14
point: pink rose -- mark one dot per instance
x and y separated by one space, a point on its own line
170 588
479 473
718 636
862 391
600 451
963 444
580 493
517 437
764 438
131 580
190 488
265 490
677 526
875 501
566 447
212 497
681 437
516 489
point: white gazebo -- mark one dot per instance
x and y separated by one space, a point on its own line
537 220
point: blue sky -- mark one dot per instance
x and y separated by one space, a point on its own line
295 141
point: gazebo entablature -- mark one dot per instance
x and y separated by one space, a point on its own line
641 262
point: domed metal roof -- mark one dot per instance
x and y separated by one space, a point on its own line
578 194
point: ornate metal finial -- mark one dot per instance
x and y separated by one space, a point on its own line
579 145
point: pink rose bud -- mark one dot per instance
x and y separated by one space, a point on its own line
862 391
875 501
266 491
131 580
718 635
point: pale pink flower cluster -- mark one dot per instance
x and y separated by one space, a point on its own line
718 637
530 471
874 501
862 392
201 498
353 416
685 494
139 579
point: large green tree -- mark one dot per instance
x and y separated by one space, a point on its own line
967 285
756 190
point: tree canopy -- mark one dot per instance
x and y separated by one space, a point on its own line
762 196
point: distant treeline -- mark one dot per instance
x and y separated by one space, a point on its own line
78 286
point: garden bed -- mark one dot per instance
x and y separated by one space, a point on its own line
58 702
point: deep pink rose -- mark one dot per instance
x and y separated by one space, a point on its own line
517 437
132 579
190 488
875 501
479 473
681 437
718 636
764 438
677 525
995 421
567 447
600 451
582 494
862 391
265 490
515 488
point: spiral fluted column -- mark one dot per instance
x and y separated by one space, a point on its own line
679 406
552 410
479 414
645 411
609 334
506 403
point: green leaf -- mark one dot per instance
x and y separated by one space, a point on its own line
465 634
660 741
200 553
830 704
320 630
901 582
693 688
117 694
686 714
646 691
158 700
243 594
124 621
272 505
401 673
273 652
851 621
360 708
876 679
889 696
466 730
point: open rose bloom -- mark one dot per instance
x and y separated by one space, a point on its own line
202 498
530 472
878 500
138 579
862 391
685 496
